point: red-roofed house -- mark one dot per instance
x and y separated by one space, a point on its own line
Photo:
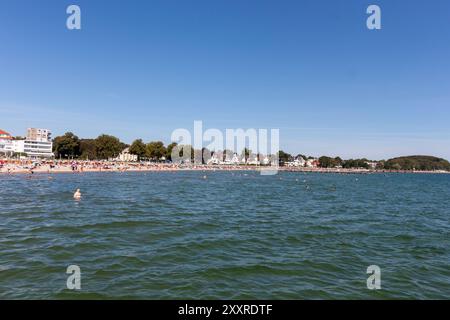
5 135
6 145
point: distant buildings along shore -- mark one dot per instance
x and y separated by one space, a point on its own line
36 144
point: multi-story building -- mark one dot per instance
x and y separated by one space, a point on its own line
39 135
37 144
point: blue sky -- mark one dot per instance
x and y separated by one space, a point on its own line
140 69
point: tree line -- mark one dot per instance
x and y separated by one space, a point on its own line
424 163
327 162
69 146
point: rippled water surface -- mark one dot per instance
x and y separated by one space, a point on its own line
232 235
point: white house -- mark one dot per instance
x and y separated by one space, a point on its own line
298 162
372 164
233 161
266 161
312 163
253 160
126 156
213 160
6 142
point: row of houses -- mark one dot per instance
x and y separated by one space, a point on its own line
314 163
254 160
302 162
216 159
36 144
237 160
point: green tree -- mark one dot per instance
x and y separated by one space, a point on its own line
245 154
155 150
355 163
66 146
428 163
107 146
88 149
182 148
326 162
227 153
380 165
19 154
283 156
206 155
169 150
138 148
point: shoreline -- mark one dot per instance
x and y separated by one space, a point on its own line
133 167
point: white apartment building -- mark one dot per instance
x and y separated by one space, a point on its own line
37 144
39 135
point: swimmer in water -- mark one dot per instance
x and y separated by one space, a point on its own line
77 194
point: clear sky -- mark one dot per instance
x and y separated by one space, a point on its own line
140 69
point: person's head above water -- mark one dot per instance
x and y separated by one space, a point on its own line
77 194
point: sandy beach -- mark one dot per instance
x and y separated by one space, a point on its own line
73 167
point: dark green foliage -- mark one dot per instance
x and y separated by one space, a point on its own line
427 163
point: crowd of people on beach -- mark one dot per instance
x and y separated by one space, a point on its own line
9 166
79 166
